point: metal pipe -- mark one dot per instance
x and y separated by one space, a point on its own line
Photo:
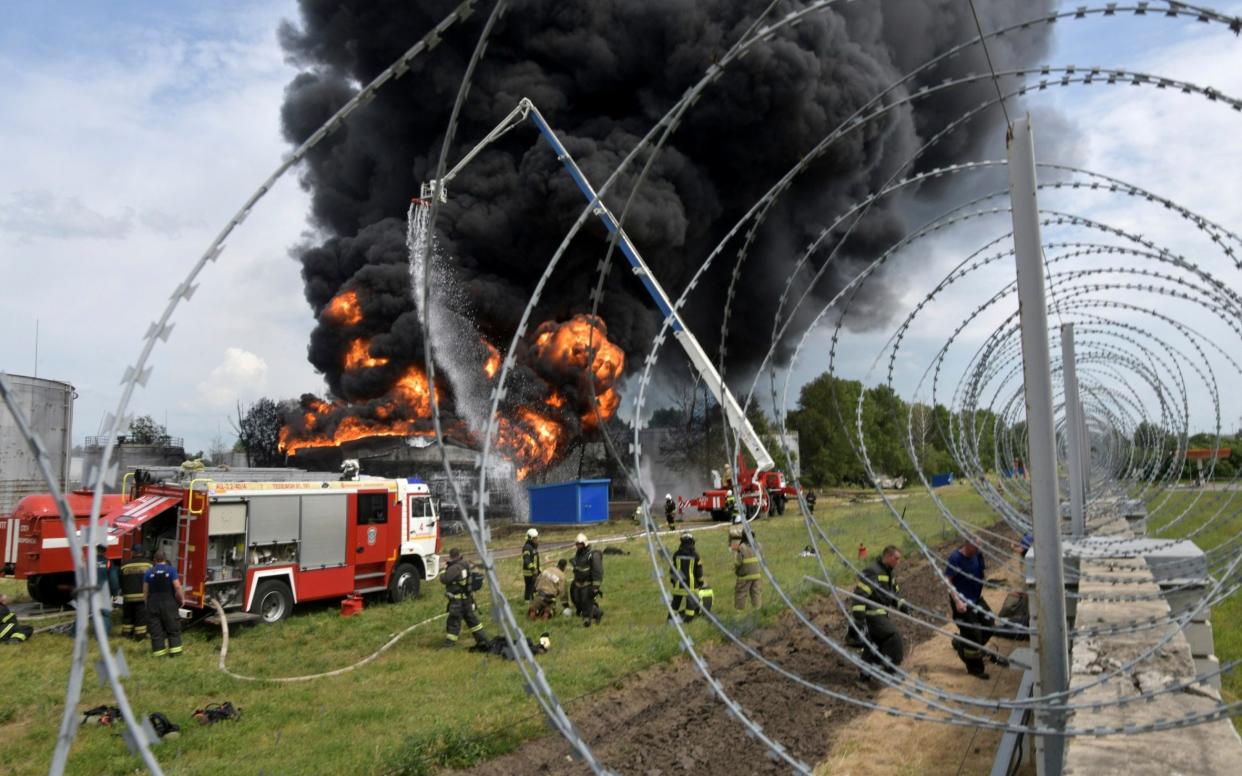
1041 442
1073 431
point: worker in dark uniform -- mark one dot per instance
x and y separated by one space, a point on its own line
588 576
965 571
530 563
670 511
461 606
810 501
11 631
109 581
162 595
879 587
731 507
133 607
686 575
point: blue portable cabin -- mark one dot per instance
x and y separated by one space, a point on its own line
569 503
940 480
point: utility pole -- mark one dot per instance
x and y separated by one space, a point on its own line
1073 432
1041 463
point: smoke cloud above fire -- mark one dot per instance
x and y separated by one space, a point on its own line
603 72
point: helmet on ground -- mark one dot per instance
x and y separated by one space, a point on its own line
581 539
531 533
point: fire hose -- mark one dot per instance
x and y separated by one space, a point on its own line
224 652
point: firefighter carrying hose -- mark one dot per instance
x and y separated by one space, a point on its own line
530 563
687 575
133 607
878 586
162 594
588 576
458 589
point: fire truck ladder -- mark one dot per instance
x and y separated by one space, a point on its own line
184 519
698 357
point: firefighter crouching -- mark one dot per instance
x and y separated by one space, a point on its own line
549 588
687 575
588 576
745 569
162 594
133 606
879 588
458 590
531 566
11 631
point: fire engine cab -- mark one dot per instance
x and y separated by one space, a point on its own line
261 547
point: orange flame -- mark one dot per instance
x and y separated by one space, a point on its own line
344 309
533 438
359 356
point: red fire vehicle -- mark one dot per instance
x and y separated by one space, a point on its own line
768 493
261 547
36 548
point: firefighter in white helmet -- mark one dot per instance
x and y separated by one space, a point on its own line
588 577
670 511
530 563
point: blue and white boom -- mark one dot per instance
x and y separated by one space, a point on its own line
698 357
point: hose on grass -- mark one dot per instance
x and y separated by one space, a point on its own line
224 653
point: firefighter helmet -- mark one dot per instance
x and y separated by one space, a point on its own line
686 536
581 539
531 533
735 531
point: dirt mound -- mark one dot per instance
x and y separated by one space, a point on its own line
666 720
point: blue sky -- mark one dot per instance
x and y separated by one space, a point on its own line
130 132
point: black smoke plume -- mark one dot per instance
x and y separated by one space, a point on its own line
603 71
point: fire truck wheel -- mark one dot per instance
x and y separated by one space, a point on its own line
272 601
51 590
720 516
404 584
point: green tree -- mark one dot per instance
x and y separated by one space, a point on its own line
258 432
143 430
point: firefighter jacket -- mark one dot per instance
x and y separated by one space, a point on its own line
9 627
551 583
670 509
881 590
745 563
456 580
132 574
687 567
530 560
588 568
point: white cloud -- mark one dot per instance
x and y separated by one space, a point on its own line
242 375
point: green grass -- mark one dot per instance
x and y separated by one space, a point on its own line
417 708
1227 615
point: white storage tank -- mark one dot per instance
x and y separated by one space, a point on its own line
48 407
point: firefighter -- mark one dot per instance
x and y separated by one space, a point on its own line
670 511
549 588
687 575
878 586
745 569
162 595
133 607
588 576
461 606
12 632
107 578
810 501
965 571
530 563
731 506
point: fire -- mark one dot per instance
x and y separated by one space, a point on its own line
359 356
344 309
573 357
492 365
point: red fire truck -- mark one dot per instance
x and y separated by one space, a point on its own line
261 547
36 548
769 493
